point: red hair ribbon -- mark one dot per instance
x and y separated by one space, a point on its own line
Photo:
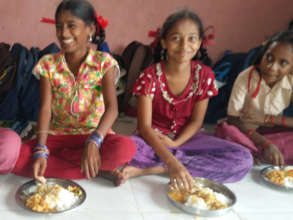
48 20
254 94
101 21
156 35
208 39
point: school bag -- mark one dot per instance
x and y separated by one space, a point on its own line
7 69
135 58
226 70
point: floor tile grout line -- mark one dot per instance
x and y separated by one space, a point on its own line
133 194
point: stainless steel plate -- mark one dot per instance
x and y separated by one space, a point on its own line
217 187
28 188
264 171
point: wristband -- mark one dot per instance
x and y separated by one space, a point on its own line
96 138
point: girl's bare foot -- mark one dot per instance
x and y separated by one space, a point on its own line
115 176
121 176
130 171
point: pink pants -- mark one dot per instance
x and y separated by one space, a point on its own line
10 144
280 136
66 152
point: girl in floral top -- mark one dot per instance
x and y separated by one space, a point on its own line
173 96
78 105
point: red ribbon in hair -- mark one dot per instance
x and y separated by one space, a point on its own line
156 35
208 39
100 21
48 20
103 23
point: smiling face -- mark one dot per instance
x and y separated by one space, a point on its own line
182 41
276 62
72 32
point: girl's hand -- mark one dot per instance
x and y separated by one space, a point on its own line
273 155
167 141
180 178
39 168
91 160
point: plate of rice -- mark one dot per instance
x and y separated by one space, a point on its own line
280 177
54 196
207 198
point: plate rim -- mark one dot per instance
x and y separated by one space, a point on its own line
20 202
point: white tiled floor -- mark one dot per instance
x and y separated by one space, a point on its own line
145 198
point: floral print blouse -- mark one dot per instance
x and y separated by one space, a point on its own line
77 102
171 113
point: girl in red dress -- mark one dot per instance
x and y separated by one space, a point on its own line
173 95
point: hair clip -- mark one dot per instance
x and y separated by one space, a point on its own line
208 39
156 35
48 20
103 23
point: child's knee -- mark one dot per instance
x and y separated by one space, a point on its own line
10 143
120 146
9 137
245 161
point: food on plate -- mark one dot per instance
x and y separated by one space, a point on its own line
53 197
200 197
281 177
42 180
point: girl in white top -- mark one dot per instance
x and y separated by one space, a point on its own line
259 96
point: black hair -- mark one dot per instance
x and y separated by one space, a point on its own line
172 20
283 37
85 11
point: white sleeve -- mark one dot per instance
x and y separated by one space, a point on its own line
238 94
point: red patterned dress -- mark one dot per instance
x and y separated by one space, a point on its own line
203 155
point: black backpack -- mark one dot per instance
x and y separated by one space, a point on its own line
7 69
135 58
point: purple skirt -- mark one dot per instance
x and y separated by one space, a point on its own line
203 155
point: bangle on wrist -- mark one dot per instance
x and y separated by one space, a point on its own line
267 119
250 132
96 138
266 144
273 120
42 132
284 123
39 154
40 147
40 150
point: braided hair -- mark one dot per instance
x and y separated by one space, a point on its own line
173 19
282 36
85 11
